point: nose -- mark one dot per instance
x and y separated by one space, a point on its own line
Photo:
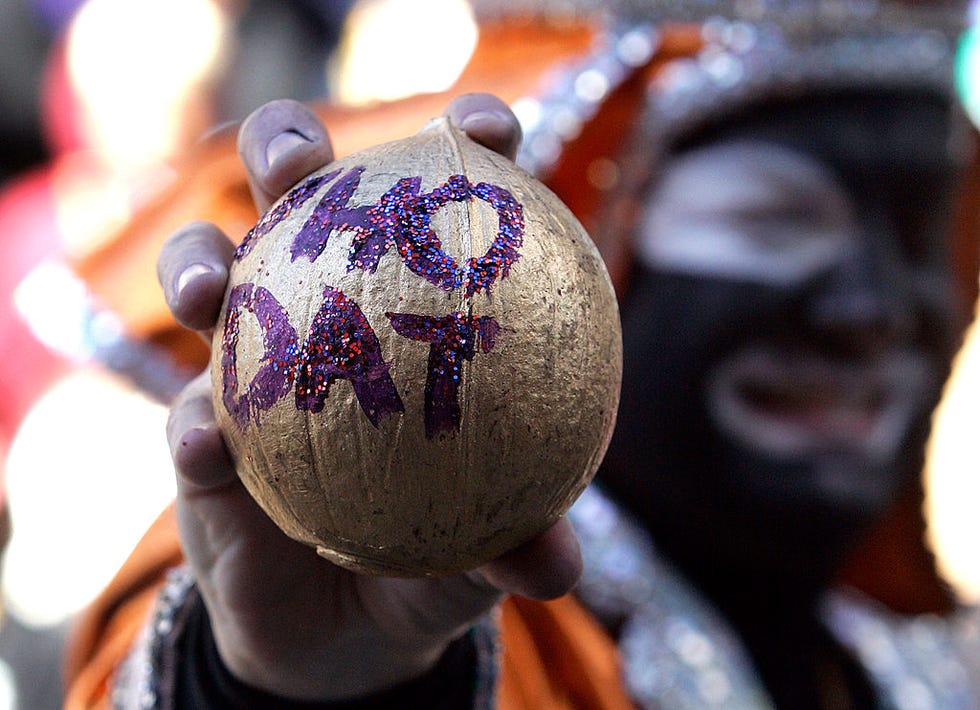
863 303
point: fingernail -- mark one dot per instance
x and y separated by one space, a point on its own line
480 118
189 274
494 129
281 144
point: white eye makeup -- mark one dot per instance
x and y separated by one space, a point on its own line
746 210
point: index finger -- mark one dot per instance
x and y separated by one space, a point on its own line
280 143
192 268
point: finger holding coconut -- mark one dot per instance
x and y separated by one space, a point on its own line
418 361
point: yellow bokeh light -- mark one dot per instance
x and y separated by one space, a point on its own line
398 48
953 475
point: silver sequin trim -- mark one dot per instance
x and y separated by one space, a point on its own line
922 662
678 652
745 62
574 93
141 678
144 682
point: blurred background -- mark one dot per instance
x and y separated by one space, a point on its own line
97 99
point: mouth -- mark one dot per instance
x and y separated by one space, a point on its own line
792 403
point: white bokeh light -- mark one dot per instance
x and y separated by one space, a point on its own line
136 65
87 473
953 475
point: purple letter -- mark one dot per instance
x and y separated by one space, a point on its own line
275 376
294 198
342 345
330 213
452 339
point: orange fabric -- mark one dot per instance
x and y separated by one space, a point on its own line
555 655
108 628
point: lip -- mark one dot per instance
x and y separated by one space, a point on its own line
789 403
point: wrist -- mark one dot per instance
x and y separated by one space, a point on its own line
176 652
323 666
147 677
452 683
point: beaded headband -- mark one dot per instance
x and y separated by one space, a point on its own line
752 50
744 62
792 15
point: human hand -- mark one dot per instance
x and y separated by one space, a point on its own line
284 619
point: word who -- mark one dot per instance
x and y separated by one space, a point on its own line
341 343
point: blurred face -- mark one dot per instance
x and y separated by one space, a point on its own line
790 328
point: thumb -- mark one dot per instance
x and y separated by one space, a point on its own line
545 567
196 445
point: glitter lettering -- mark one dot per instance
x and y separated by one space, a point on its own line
331 213
452 339
275 376
402 218
293 199
342 345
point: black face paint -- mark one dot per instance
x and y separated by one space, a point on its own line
769 415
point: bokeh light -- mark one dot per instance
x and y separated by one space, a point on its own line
87 472
953 476
138 66
967 68
398 48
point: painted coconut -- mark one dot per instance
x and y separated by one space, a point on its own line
417 365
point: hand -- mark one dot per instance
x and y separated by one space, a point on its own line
284 619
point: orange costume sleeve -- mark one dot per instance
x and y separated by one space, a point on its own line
554 655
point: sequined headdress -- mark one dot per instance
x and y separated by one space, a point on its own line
752 50
766 49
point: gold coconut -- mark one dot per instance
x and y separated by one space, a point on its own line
418 362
